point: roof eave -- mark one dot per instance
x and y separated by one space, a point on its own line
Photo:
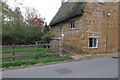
65 20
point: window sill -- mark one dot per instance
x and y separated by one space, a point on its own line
92 47
72 28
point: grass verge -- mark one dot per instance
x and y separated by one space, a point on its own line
29 60
7 64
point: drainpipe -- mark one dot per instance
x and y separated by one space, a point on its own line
108 14
62 38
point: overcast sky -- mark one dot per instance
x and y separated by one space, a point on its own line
47 8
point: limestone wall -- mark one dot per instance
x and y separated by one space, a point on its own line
94 22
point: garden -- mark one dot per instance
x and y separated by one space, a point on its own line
19 36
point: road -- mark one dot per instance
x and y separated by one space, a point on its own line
104 67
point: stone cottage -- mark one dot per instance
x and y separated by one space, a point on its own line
87 27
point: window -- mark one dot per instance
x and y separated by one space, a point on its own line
72 25
60 29
101 1
93 42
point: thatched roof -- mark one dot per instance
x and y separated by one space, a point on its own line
67 11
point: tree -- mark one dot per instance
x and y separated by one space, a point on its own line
6 12
31 13
6 17
17 15
46 34
18 31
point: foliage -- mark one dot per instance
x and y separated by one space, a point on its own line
31 13
17 30
46 35
21 34
6 13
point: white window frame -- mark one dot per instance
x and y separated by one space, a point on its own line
72 24
101 1
96 41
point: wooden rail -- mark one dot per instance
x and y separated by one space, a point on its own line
7 46
18 52
8 58
6 52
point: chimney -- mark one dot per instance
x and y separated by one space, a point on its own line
62 2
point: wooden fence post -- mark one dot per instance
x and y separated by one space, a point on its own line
36 50
13 51
46 49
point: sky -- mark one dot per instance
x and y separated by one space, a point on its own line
47 8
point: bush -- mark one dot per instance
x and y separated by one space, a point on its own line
21 34
19 30
46 37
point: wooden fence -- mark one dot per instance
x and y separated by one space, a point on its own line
13 52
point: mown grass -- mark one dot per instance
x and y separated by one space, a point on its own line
19 48
29 60
33 61
23 53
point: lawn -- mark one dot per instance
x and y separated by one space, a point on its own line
23 53
29 60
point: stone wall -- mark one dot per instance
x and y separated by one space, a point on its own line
56 45
94 22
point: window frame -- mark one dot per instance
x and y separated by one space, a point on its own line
101 1
96 37
72 24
